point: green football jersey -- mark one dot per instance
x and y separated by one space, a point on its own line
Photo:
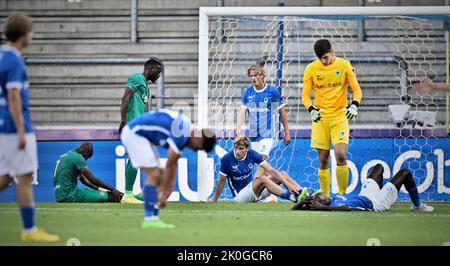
66 174
138 103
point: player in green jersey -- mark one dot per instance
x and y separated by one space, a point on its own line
136 101
71 167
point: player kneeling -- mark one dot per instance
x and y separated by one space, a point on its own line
237 166
373 196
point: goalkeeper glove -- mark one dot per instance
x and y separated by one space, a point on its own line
351 112
315 114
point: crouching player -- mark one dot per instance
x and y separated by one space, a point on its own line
71 167
172 131
237 165
373 196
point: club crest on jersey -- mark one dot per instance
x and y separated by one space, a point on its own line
250 166
342 133
338 73
266 100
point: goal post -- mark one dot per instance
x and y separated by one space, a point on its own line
308 13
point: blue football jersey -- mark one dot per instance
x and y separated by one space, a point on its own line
262 106
355 202
163 128
13 74
239 172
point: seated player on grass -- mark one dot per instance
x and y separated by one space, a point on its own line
237 166
72 166
373 196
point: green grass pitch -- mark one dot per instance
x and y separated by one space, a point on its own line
231 224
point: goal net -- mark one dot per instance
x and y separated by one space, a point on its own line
396 127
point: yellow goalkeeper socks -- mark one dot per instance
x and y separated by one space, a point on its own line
342 178
324 181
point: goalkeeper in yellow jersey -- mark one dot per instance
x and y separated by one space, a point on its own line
329 76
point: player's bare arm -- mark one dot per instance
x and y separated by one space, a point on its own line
219 187
284 121
85 181
240 121
124 107
87 174
15 107
169 177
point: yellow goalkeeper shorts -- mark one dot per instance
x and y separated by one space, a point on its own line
334 130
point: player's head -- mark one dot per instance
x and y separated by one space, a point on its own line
204 139
86 150
324 52
18 29
153 68
241 146
321 198
256 74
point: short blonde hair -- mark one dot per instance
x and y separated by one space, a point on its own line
259 70
241 141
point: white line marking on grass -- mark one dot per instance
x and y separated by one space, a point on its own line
287 213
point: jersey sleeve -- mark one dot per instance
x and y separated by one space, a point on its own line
353 81
245 99
15 75
349 70
223 166
80 163
307 86
179 136
276 98
133 83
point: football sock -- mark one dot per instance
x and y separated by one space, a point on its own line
150 209
27 217
130 177
286 195
324 181
342 178
414 195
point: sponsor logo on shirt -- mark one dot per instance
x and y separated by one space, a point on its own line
259 109
328 85
242 177
235 168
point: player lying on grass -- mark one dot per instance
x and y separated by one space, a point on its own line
170 130
71 167
237 166
373 196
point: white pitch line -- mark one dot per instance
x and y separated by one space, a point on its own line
288 213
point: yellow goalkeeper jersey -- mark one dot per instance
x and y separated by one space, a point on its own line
330 86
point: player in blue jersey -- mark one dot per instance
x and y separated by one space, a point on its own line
263 103
18 156
237 166
373 196
173 131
